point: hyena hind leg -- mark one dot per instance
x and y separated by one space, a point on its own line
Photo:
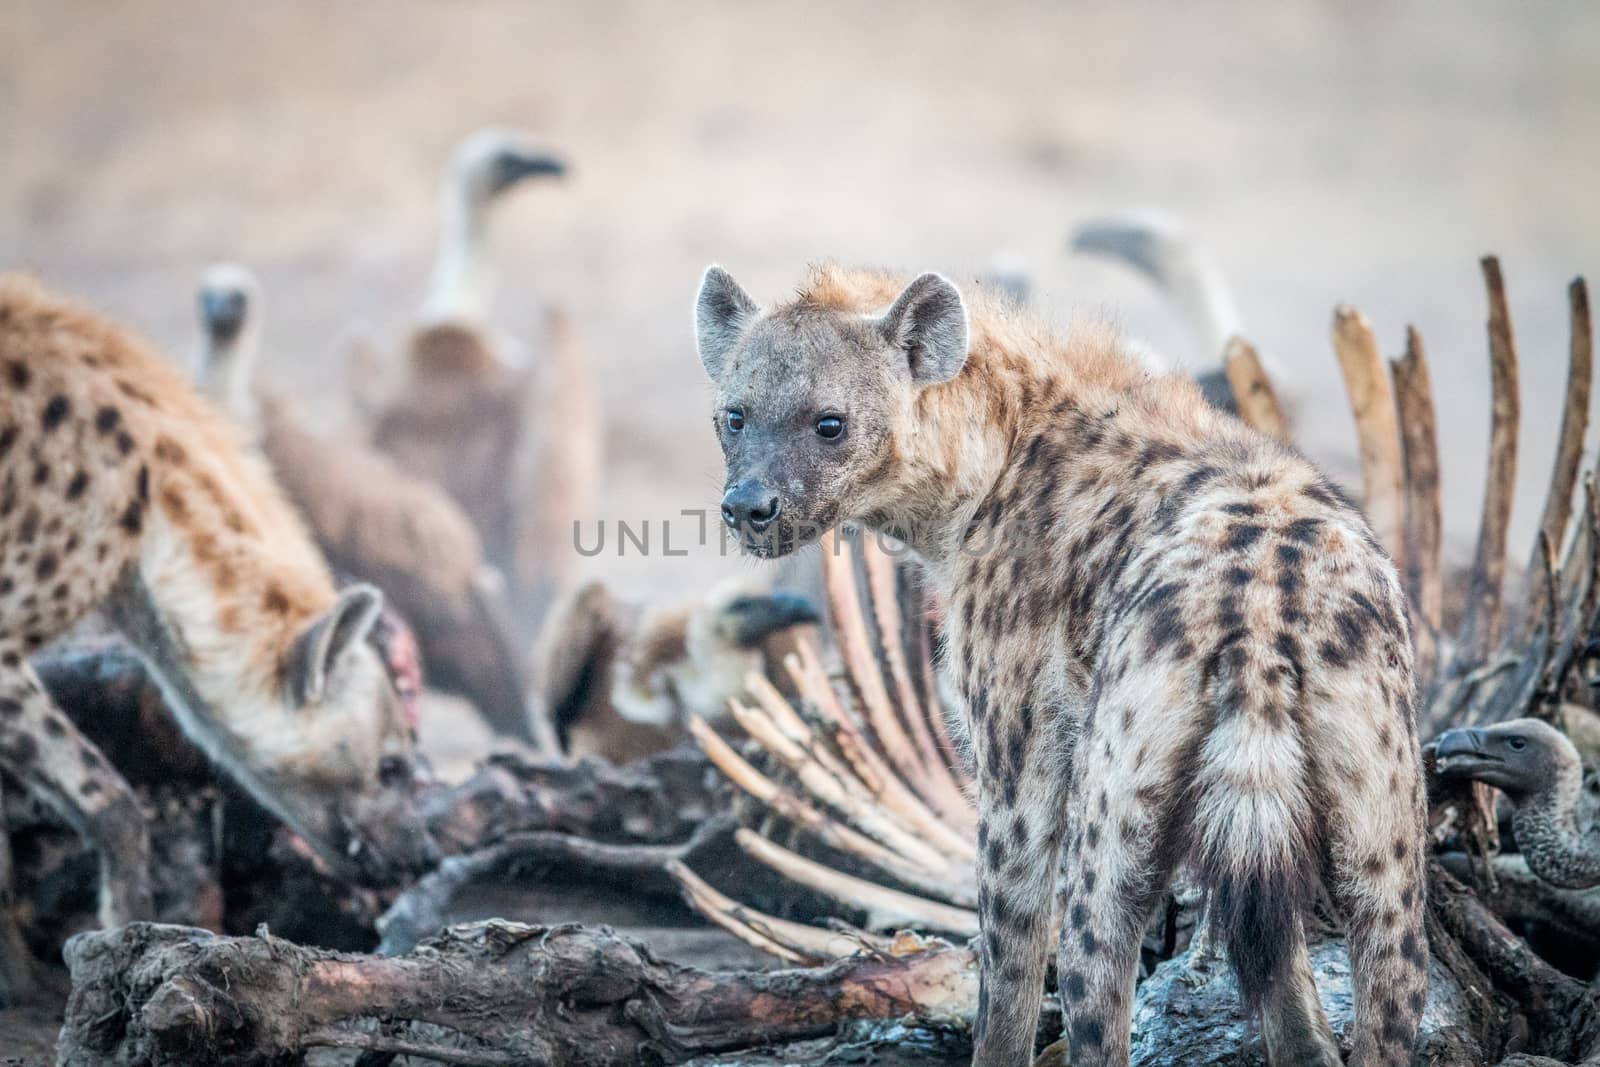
1293 1026
1377 885
41 749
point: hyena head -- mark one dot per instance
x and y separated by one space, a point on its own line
816 401
346 779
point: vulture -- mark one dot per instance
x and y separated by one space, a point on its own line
514 440
1164 252
373 520
1538 770
618 680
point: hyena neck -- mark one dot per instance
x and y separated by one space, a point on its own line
976 439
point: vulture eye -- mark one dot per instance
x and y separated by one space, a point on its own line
830 426
1516 744
735 420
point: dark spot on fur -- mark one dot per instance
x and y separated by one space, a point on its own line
275 600
1080 915
107 419
54 726
1198 477
1074 986
90 787
91 758
19 374
77 485
41 474
1242 507
170 451
1411 949
9 709
22 749
132 519
45 569
124 442
1242 536
1088 1032
1090 945
1302 530
8 438
55 412
1238 576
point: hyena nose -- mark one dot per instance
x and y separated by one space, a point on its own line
749 504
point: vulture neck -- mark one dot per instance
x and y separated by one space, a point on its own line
229 374
462 278
1556 847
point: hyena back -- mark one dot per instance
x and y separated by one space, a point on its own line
1175 641
122 491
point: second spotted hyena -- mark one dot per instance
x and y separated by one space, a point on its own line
125 493
1175 643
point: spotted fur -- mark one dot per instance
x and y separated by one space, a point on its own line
123 492
1176 643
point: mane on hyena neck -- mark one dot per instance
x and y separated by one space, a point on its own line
1022 375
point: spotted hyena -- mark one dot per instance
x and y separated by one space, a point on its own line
122 491
1175 642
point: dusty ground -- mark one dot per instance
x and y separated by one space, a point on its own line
1325 151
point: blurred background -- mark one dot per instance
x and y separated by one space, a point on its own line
1323 152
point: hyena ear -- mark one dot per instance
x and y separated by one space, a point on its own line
317 651
721 312
928 322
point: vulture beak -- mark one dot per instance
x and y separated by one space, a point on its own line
1118 240
752 618
512 166
1457 753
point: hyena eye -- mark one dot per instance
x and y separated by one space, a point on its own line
830 426
1516 744
735 420
393 771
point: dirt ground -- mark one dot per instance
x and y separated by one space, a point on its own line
1325 152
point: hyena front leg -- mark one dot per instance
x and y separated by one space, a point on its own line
1019 849
43 751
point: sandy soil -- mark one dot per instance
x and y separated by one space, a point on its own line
1325 151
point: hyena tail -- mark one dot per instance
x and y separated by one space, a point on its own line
1255 850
